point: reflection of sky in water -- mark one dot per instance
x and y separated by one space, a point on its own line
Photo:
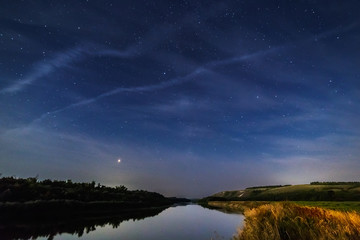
183 222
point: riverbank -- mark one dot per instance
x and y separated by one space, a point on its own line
288 220
283 221
234 206
62 209
241 206
24 198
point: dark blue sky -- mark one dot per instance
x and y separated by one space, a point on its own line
195 97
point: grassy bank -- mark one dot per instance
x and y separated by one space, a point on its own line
235 206
285 221
241 206
60 209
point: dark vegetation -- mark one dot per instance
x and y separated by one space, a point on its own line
308 195
19 197
335 183
269 186
50 227
30 189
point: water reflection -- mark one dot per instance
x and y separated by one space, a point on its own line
31 228
179 222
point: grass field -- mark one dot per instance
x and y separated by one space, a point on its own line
304 192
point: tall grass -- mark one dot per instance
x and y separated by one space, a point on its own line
288 221
236 206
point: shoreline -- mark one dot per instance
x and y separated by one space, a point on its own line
281 220
63 209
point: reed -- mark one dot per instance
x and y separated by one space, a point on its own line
285 221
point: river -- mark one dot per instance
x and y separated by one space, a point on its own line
179 222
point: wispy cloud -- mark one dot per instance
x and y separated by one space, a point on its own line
162 85
44 68
245 57
60 60
146 88
77 54
337 30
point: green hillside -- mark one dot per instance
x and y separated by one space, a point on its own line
317 191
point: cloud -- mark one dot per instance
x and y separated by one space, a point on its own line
334 31
63 59
245 57
162 85
146 88
41 69
77 54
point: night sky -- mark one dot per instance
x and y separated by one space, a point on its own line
194 97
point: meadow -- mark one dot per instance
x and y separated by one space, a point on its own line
316 191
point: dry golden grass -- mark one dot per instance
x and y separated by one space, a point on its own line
236 206
280 221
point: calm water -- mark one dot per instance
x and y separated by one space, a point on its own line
181 222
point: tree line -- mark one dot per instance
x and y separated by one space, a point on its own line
334 183
14 189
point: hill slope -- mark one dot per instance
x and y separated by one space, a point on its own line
343 191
